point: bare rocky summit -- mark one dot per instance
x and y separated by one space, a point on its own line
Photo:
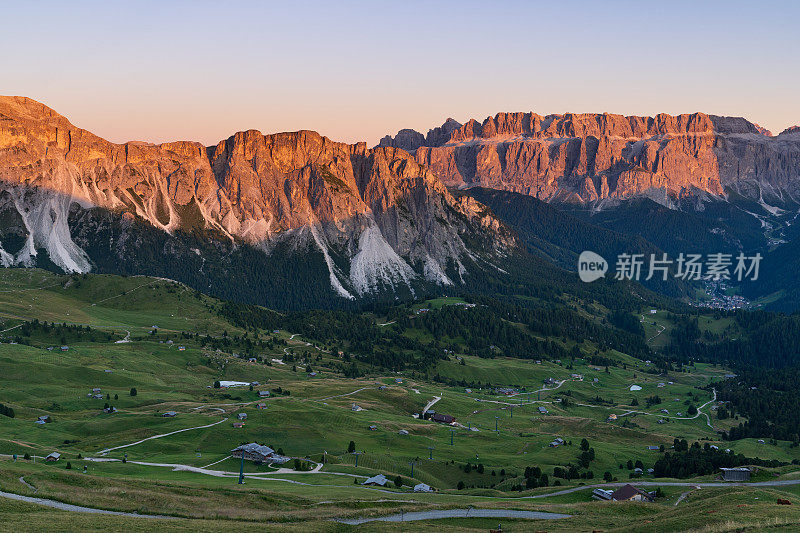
601 158
392 218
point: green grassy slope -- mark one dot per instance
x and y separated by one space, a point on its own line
316 421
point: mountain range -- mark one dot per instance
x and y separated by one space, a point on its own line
600 159
378 220
296 220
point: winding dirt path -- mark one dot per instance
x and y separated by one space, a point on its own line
684 495
31 487
431 403
661 415
76 508
105 451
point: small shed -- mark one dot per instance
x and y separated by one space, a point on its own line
170 414
740 473
422 487
53 457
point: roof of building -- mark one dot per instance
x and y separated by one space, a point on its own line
422 487
54 455
602 494
380 479
254 447
627 492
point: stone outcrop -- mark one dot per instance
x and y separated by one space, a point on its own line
592 158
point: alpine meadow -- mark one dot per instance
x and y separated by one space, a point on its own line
334 309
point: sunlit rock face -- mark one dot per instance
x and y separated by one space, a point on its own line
390 217
599 158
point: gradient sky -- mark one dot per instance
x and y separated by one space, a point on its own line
159 71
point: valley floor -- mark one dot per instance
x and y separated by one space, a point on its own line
177 469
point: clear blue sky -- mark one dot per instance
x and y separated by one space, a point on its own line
200 70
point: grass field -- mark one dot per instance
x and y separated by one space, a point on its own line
315 420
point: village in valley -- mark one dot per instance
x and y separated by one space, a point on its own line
719 295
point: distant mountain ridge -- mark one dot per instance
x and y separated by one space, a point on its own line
600 159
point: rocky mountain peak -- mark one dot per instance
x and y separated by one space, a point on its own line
378 211
594 157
